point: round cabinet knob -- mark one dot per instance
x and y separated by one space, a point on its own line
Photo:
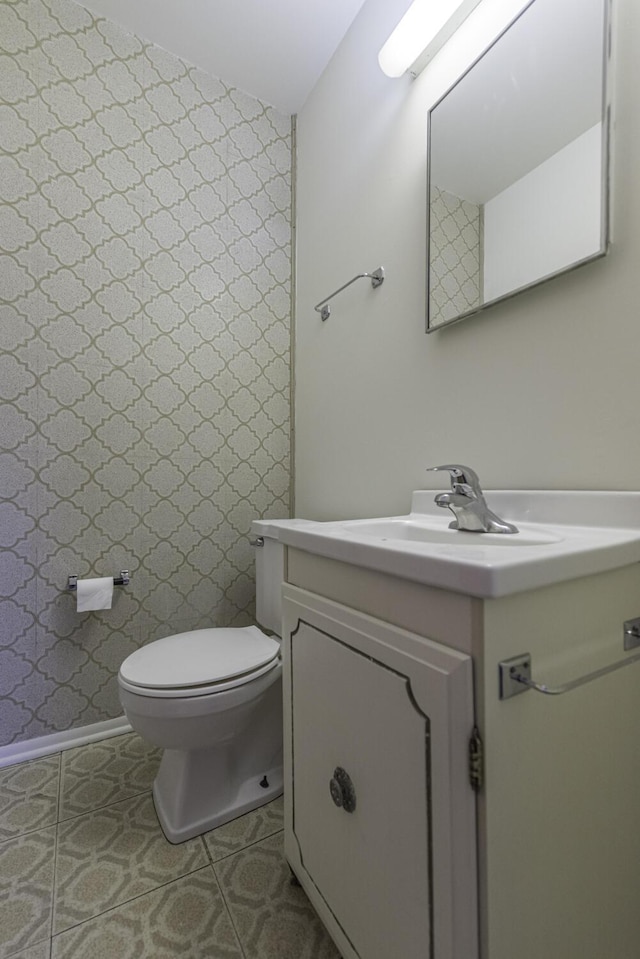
342 789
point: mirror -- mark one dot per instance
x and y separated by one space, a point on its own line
518 150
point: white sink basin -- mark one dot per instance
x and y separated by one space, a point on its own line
419 530
562 535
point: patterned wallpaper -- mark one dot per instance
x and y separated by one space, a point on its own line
455 278
145 334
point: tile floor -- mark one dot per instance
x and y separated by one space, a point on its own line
85 870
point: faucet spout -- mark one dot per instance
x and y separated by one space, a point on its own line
468 504
449 500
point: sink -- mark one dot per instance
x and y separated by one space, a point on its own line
421 531
563 534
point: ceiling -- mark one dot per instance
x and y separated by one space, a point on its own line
276 50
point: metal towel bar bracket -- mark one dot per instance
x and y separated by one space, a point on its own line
377 279
515 676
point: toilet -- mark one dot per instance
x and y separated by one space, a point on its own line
212 700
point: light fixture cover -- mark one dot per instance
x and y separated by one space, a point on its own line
424 29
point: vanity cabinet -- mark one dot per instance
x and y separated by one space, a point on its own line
409 843
382 819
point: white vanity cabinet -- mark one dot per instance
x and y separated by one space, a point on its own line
382 817
385 681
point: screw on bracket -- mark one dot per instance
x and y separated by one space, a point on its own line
509 670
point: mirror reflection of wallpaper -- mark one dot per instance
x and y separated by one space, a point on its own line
454 256
145 330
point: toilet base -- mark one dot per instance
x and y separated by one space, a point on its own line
180 816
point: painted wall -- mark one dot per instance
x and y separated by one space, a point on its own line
145 331
536 392
546 219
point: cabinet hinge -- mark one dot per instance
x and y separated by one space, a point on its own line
476 760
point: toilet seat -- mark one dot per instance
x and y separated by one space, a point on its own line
199 662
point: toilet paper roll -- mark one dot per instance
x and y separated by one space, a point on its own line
95 593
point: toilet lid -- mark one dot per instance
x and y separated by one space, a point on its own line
200 657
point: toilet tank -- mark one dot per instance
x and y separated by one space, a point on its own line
270 570
270 573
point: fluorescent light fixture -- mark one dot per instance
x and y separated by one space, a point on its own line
424 29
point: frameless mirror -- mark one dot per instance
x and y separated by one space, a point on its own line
518 150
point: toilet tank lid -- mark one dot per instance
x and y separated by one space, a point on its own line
199 657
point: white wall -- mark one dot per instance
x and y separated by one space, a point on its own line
540 391
545 220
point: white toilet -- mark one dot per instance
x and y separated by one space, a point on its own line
212 699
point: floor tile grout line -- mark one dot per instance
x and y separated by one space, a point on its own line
46 825
58 897
7 767
206 848
248 845
28 832
53 883
55 852
127 902
45 938
203 846
24 948
59 797
226 906
105 805
124 902
105 744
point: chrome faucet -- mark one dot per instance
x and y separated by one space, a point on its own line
467 503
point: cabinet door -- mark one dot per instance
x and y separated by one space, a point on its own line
371 867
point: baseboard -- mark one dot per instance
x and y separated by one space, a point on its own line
55 742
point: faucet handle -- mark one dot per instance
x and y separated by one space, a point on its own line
460 475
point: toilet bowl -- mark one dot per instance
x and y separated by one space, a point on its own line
212 700
218 718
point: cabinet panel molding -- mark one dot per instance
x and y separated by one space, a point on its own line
398 875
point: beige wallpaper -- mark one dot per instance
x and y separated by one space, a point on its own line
455 275
144 373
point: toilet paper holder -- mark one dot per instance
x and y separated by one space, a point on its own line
121 580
